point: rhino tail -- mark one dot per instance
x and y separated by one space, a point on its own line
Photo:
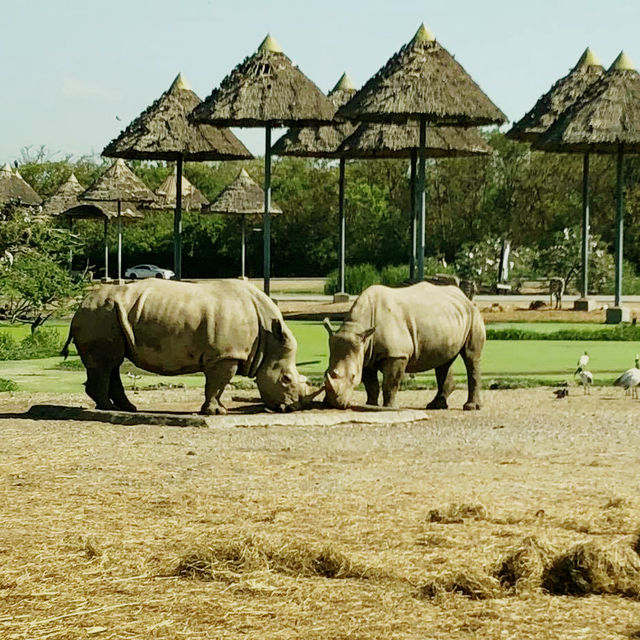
125 325
65 350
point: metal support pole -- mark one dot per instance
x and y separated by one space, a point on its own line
177 223
119 242
242 253
412 209
585 226
266 225
106 247
342 224
421 198
619 225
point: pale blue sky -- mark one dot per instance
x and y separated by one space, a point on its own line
69 68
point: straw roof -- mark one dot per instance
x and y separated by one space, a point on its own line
118 183
399 141
242 197
320 141
64 198
562 95
192 198
606 117
266 88
422 80
14 187
101 211
163 132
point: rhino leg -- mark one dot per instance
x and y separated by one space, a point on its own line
446 384
217 377
392 372
117 394
472 363
371 384
97 387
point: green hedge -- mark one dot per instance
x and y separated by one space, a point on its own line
618 333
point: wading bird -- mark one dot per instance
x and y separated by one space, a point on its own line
630 379
586 379
583 361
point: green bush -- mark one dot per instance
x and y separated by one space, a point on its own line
356 279
7 385
394 275
619 333
43 343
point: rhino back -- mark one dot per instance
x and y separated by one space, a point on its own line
427 324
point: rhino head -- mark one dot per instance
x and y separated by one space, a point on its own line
281 386
346 359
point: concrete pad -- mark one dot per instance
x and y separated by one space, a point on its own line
236 418
616 315
340 297
584 304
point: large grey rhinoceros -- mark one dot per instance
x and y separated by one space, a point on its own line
221 327
408 329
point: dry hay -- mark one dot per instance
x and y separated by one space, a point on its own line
595 568
228 560
522 569
470 583
616 516
455 513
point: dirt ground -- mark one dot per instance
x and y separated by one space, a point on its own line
311 531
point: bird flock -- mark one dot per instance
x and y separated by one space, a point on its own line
629 380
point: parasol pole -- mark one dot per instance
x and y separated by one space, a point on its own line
343 226
242 252
266 226
421 198
585 225
619 226
413 211
177 222
119 243
106 247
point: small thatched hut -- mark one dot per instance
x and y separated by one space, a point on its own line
13 187
166 194
266 90
64 198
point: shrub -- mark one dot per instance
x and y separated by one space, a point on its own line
7 385
356 279
9 347
43 343
393 275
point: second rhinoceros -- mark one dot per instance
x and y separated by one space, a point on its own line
221 328
408 329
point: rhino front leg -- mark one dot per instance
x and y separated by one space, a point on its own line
392 372
446 384
217 377
371 384
97 387
117 394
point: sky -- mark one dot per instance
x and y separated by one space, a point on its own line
75 73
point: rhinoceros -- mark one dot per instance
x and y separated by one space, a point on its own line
221 328
408 329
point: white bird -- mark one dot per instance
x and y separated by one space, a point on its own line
630 379
586 379
583 361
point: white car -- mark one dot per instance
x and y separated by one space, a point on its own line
148 271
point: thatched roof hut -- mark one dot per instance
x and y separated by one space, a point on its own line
266 88
13 187
163 132
565 92
101 211
64 198
376 141
604 118
321 141
422 80
118 184
243 196
192 198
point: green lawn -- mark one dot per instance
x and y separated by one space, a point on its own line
553 360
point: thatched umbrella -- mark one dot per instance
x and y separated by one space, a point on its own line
64 198
422 82
118 184
163 132
544 113
266 90
606 119
167 195
101 212
13 187
393 141
323 141
243 197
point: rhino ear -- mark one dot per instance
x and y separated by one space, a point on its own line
363 335
278 331
326 323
